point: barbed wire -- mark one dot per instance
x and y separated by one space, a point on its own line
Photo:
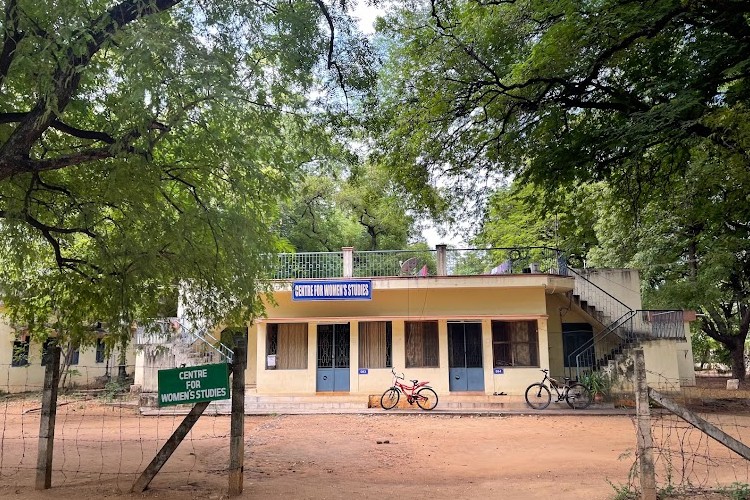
99 432
686 459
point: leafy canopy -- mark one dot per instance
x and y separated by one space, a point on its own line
563 91
145 144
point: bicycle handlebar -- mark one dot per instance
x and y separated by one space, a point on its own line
393 370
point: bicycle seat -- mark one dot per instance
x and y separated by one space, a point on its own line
415 382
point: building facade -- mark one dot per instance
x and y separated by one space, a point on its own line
469 321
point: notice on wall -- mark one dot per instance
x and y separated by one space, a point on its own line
332 290
193 384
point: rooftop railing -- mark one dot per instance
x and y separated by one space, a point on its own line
439 262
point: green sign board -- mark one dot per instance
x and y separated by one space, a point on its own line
193 384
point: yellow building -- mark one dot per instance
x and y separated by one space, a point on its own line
469 321
22 362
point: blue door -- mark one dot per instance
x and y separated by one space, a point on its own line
465 357
333 358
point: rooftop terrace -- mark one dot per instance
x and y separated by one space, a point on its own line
441 261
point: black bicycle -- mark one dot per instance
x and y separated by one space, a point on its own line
539 395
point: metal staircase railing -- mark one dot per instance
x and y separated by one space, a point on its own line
616 336
627 331
606 308
161 331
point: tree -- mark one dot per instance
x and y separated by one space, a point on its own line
145 144
352 205
564 91
651 98
524 215
693 247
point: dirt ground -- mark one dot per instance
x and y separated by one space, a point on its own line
100 450
338 457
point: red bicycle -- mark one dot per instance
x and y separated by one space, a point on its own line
425 396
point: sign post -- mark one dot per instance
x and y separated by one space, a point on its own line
196 385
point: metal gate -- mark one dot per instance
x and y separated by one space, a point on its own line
465 357
333 358
575 337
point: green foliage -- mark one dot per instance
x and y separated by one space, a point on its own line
561 92
146 149
113 389
692 245
736 491
707 350
347 205
524 215
598 382
623 491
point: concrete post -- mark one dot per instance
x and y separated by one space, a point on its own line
441 255
47 420
645 441
348 261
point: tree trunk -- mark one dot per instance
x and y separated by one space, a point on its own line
737 350
122 373
65 365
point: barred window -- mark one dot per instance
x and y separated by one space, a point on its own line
375 344
20 352
288 342
100 350
515 343
74 356
422 349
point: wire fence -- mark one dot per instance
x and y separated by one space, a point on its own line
688 462
99 434
101 437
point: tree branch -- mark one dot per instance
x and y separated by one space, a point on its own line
11 38
86 42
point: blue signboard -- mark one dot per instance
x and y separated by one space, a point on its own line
499 371
332 290
363 371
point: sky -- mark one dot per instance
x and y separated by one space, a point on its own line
366 15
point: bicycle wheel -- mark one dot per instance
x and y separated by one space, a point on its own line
578 397
427 398
538 396
389 399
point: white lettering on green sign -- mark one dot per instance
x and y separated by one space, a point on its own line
193 384
179 397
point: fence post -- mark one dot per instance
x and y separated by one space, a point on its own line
441 254
645 440
348 255
47 420
237 424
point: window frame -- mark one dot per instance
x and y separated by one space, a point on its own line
46 354
20 345
272 330
75 356
533 330
388 345
100 350
433 332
